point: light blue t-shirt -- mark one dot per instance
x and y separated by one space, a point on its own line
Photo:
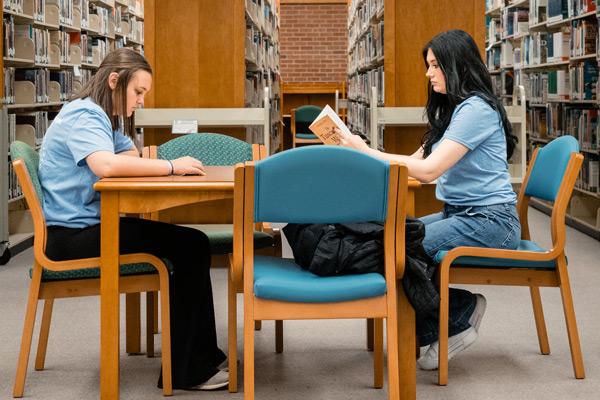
481 177
80 129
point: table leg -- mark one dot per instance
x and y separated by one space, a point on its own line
407 365
109 296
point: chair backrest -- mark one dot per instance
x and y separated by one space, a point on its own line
550 167
21 150
551 175
321 184
211 148
307 114
26 162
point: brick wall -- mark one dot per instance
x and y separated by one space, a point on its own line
314 41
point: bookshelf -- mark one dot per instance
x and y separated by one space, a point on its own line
51 48
551 48
214 55
385 40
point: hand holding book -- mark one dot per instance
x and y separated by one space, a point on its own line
331 130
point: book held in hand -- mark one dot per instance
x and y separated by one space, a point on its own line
329 127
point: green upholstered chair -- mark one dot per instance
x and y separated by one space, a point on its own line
51 279
302 117
218 149
212 149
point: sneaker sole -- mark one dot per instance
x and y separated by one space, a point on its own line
214 386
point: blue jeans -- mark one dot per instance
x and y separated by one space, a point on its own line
495 226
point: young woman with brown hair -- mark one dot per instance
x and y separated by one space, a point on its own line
90 139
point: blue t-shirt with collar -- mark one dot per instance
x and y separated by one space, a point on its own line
481 177
80 129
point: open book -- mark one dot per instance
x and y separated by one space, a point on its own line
329 127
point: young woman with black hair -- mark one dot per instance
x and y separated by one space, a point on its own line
466 148
90 139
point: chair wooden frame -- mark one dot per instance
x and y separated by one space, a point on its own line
378 308
534 278
48 291
234 286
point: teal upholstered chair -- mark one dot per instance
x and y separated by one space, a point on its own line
551 176
302 117
217 149
52 280
318 184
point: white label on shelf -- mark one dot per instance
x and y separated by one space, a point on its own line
183 126
76 71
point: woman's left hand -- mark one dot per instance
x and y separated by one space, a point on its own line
355 142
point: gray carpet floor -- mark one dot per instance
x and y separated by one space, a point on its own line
327 359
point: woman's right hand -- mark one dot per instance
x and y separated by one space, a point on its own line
188 166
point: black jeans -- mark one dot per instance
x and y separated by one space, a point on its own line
194 351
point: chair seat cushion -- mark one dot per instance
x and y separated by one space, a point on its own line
94 273
306 136
220 237
282 279
524 245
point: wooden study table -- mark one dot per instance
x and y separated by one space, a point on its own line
149 194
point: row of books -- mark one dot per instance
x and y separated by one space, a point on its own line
579 82
65 83
14 189
368 49
14 5
584 36
263 14
261 50
256 84
362 13
579 122
589 176
359 85
515 21
579 7
29 127
359 120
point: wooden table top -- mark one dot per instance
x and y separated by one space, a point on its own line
217 177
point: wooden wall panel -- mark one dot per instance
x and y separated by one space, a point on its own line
196 48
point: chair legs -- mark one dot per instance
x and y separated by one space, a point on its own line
232 333
133 328
370 334
378 353
540 324
279 336
443 329
567 300
165 319
34 290
151 319
44 333
248 352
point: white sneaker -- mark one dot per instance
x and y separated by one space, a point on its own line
456 344
224 366
477 316
217 381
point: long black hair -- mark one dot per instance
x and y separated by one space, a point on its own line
466 75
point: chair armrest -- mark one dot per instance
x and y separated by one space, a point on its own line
467 251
